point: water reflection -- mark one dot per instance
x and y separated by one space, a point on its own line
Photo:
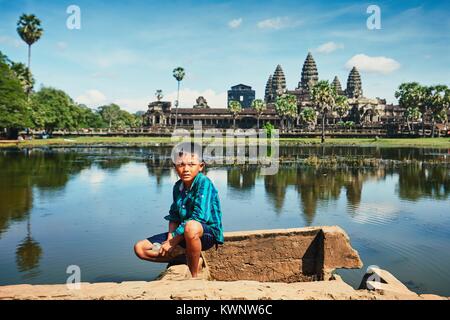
316 186
22 171
28 254
417 181
26 176
49 171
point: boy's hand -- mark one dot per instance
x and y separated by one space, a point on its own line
166 248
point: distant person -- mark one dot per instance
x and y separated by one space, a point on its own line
195 217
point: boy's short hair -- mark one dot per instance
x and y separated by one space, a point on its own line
187 148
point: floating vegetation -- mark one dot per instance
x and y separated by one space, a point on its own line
334 162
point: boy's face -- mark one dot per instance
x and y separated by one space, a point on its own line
188 166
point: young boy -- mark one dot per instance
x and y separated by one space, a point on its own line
195 218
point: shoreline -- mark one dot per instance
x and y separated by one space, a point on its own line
129 142
201 289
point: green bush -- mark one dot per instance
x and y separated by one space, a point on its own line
268 127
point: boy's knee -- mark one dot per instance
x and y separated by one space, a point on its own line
193 229
138 249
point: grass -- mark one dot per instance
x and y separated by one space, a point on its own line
150 141
382 142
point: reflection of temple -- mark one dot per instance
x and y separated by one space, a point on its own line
314 188
364 111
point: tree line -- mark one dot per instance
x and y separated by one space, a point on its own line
425 103
49 108
429 104
324 101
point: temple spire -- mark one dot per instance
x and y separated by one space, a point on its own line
310 76
337 86
278 83
354 86
268 96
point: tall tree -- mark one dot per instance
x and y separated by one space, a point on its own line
413 95
53 109
84 117
110 114
438 101
259 106
324 99
412 113
14 108
24 75
309 116
29 29
178 74
286 108
234 107
342 106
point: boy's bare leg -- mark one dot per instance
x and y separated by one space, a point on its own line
192 234
143 250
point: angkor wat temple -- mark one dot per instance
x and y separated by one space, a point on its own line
363 111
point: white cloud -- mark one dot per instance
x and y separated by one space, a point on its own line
95 98
366 63
94 178
277 23
134 104
329 47
117 57
235 23
6 40
92 98
188 97
61 45
187 100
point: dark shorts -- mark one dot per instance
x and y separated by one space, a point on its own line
207 239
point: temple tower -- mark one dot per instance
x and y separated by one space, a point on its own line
354 86
337 86
310 76
268 96
278 83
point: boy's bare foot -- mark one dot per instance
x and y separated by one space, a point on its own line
199 269
200 265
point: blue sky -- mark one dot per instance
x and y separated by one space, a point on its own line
124 51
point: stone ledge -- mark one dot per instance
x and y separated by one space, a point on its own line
200 289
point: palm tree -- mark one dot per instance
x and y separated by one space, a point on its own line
234 107
412 113
324 99
178 74
437 98
29 29
309 116
342 106
413 95
292 114
286 107
111 114
259 106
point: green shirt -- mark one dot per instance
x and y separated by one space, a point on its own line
200 203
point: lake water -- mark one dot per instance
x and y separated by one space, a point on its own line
87 207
